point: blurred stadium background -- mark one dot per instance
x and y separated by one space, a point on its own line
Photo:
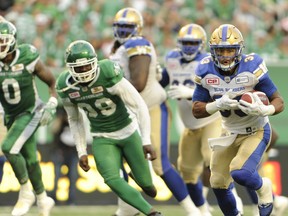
52 25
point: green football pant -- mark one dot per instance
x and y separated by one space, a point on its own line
20 149
108 154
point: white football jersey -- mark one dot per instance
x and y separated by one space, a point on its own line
183 72
252 74
153 93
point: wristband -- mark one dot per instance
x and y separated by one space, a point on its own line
270 110
211 108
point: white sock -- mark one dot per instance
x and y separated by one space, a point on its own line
125 209
205 191
204 209
234 192
41 196
188 205
239 202
25 187
264 193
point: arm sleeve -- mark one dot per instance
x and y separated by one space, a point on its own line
77 128
165 78
135 103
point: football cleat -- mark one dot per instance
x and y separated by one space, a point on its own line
25 200
265 209
265 198
45 206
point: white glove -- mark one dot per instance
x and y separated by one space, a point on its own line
180 92
257 108
226 102
49 111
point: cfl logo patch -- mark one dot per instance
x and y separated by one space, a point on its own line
212 81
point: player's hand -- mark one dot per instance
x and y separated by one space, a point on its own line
226 102
149 152
257 108
180 91
83 162
49 111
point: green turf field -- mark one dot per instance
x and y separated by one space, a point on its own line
169 210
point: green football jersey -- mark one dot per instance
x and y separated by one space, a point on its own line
106 112
18 91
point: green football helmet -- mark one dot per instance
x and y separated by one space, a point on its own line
8 35
81 59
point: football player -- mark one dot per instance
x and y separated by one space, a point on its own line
137 56
23 113
194 152
116 113
220 81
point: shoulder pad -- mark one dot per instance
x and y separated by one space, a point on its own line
61 82
253 63
173 54
110 71
138 46
28 53
197 80
201 56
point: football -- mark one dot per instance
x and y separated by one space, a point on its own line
247 96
